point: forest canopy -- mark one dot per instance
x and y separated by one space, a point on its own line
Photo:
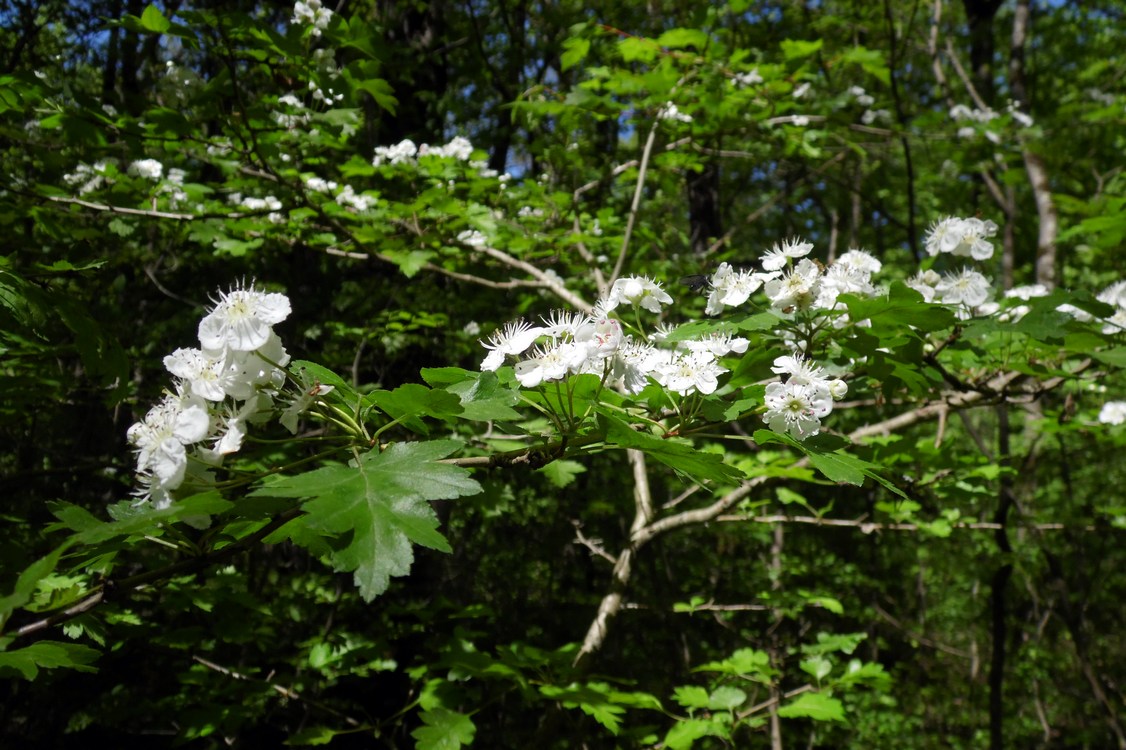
506 374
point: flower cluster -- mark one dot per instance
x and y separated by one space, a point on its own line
965 237
797 406
313 13
1113 412
572 343
1115 295
230 380
967 290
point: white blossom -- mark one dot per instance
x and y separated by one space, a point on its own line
797 289
779 256
242 318
640 291
150 169
962 237
967 288
1113 412
313 13
515 338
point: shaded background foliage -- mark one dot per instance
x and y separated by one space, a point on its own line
1006 637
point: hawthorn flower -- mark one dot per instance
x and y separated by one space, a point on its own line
180 419
600 337
1022 293
241 320
967 288
671 112
549 364
403 151
925 283
1113 412
861 260
150 169
515 338
717 344
779 256
690 372
800 370
640 291
731 288
964 237
204 371
313 13
796 408
632 364
796 289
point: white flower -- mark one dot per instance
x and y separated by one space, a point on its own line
515 338
180 419
472 237
312 13
717 344
838 389
801 90
302 402
689 372
748 79
241 320
842 278
796 409
861 260
968 288
459 148
550 364
204 371
639 291
600 337
800 370
150 169
924 282
1113 412
632 364
779 256
799 120
671 112
401 152
964 237
732 288
797 289
249 372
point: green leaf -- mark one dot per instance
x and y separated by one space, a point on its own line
382 503
903 306
691 696
683 38
726 698
408 403
575 50
685 458
816 706
49 655
685 733
562 473
312 736
817 667
839 467
153 20
1115 356
746 662
443 730
793 49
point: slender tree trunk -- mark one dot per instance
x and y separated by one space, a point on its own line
1033 164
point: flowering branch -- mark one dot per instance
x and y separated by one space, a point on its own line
641 535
